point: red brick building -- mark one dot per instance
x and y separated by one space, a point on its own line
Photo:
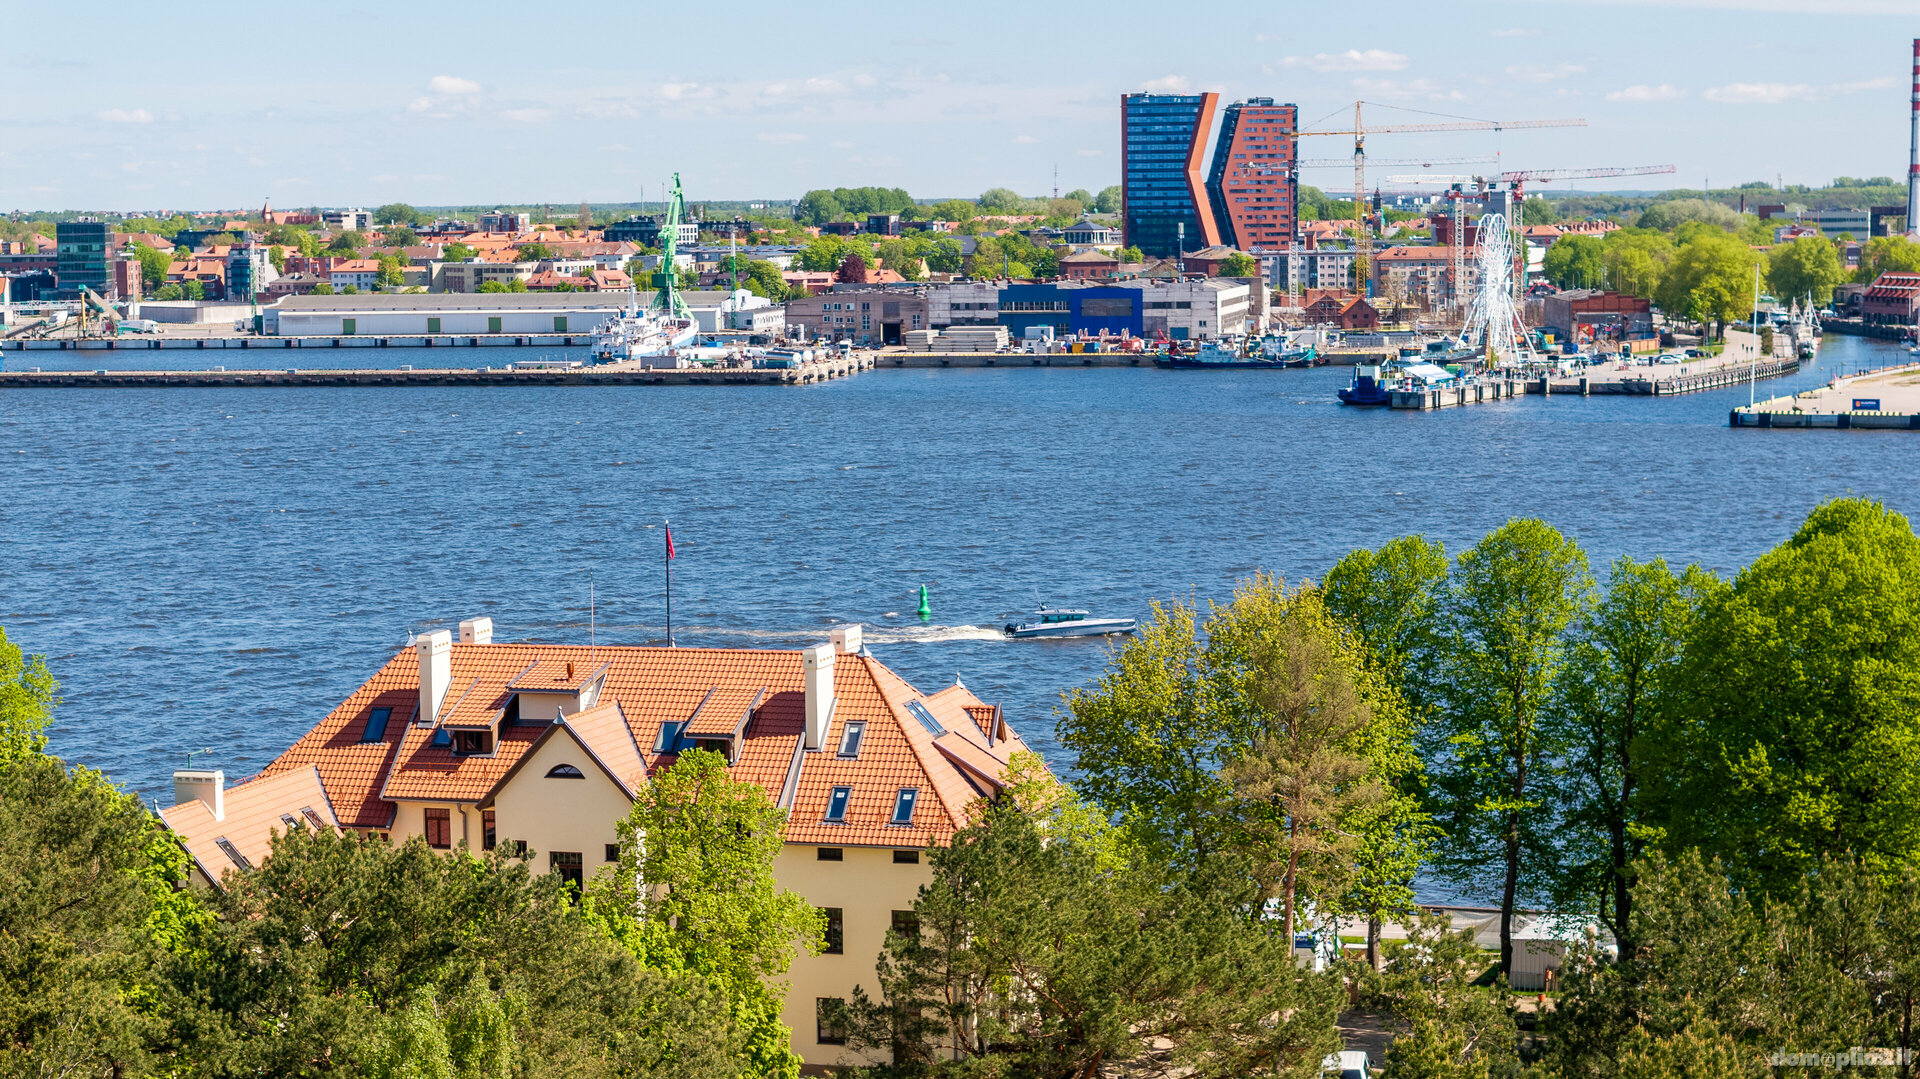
1342 309
1893 298
1252 185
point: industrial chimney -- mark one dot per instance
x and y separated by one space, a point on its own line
1913 151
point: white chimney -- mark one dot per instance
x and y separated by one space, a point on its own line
436 670
208 787
476 631
817 662
846 641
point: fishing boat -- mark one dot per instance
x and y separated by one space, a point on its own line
1066 622
1214 356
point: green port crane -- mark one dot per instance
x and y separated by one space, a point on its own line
667 301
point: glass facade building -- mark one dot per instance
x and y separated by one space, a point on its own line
82 247
1163 140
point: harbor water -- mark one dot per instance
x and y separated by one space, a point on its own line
215 569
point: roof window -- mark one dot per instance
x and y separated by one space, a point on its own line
672 737
903 805
441 739
313 818
287 819
233 852
565 771
837 804
926 718
376 725
850 738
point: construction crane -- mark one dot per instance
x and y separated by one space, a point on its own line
1514 195
1423 162
1360 131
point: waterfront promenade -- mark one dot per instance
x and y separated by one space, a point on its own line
1884 399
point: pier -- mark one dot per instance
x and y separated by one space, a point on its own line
609 375
1886 399
143 343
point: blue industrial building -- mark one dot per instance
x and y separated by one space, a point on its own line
1085 310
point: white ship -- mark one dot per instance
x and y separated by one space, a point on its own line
653 339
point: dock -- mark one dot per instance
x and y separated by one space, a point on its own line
610 375
1885 399
143 343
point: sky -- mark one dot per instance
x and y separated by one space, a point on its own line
215 105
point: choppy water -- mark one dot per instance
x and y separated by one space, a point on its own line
217 568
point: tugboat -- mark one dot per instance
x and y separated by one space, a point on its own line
1066 622
1213 356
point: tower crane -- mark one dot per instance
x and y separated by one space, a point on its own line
1514 196
1360 131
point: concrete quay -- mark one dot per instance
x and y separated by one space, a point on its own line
1886 399
143 343
610 375
1466 393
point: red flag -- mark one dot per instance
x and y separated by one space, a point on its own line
669 543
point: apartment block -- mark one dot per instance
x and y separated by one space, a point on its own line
1253 184
1163 141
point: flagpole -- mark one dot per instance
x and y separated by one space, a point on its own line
669 553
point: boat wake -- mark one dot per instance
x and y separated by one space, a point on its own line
929 634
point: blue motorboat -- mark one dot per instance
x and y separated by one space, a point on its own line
1370 387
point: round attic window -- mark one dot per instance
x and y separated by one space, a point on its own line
565 771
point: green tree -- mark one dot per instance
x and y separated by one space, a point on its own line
169 292
1130 256
1711 280
1888 254
278 256
391 273
705 845
1576 261
1045 946
193 290
1455 1028
398 213
817 208
323 289
153 266
1611 691
1538 211
1635 259
1108 201
897 255
1082 196
400 236
1001 200
1504 616
1669 214
1312 730
346 954
348 243
1240 264
535 252
1796 729
457 252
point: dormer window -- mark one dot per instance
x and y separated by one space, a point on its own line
850 738
472 742
837 804
903 805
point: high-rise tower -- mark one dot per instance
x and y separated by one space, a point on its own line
1163 143
1913 150
1253 184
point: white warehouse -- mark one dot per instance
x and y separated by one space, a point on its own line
460 314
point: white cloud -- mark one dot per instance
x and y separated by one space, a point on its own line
1025 140
1643 94
685 91
524 116
420 104
124 116
841 144
452 85
1542 73
1351 60
1885 82
1089 153
1412 89
1758 93
782 138
1166 84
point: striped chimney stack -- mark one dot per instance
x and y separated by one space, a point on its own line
1913 151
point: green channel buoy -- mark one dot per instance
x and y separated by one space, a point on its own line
926 609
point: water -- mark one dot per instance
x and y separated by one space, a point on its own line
218 568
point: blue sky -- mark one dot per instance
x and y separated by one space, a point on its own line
217 105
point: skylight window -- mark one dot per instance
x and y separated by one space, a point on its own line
837 804
313 818
903 805
441 739
926 718
376 725
671 737
850 738
287 819
233 852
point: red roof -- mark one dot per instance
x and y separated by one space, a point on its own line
758 694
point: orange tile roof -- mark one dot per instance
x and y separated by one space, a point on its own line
254 810
759 694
